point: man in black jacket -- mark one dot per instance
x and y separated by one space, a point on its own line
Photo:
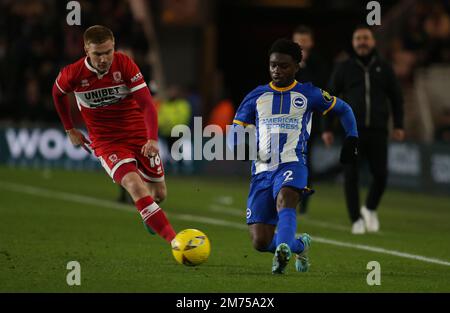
369 85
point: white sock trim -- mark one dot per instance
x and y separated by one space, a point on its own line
148 211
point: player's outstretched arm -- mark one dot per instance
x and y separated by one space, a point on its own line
349 152
63 108
145 101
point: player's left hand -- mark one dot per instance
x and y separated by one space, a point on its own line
150 149
398 134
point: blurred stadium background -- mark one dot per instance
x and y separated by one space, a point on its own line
200 58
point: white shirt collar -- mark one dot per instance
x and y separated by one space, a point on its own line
92 69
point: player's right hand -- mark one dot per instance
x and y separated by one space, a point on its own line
328 138
77 138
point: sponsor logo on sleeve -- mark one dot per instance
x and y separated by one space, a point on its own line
136 77
326 96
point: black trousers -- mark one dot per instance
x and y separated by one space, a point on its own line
303 209
373 148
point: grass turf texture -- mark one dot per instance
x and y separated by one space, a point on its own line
40 235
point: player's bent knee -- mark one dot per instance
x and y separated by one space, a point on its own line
261 236
159 192
287 198
160 196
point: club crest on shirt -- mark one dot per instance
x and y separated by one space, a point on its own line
84 83
326 96
113 158
117 76
299 101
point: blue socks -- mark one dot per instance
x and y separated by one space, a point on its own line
287 226
296 245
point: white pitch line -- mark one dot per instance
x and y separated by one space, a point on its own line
308 221
333 226
382 250
208 220
226 210
65 196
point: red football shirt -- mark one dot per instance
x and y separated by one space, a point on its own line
106 100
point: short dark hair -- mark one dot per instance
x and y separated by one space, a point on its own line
363 26
287 46
97 34
304 30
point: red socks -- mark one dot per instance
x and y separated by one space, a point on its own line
155 218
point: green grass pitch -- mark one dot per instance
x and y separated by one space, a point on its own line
51 217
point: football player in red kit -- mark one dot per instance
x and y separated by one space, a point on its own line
121 120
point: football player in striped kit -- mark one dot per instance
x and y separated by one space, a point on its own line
281 113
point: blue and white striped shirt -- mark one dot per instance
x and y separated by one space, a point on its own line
282 117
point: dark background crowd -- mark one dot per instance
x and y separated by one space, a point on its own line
233 36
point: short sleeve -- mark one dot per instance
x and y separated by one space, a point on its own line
132 74
246 112
322 101
64 80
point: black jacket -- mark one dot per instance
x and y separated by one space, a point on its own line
369 90
316 71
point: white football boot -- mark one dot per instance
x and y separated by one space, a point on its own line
370 220
358 227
